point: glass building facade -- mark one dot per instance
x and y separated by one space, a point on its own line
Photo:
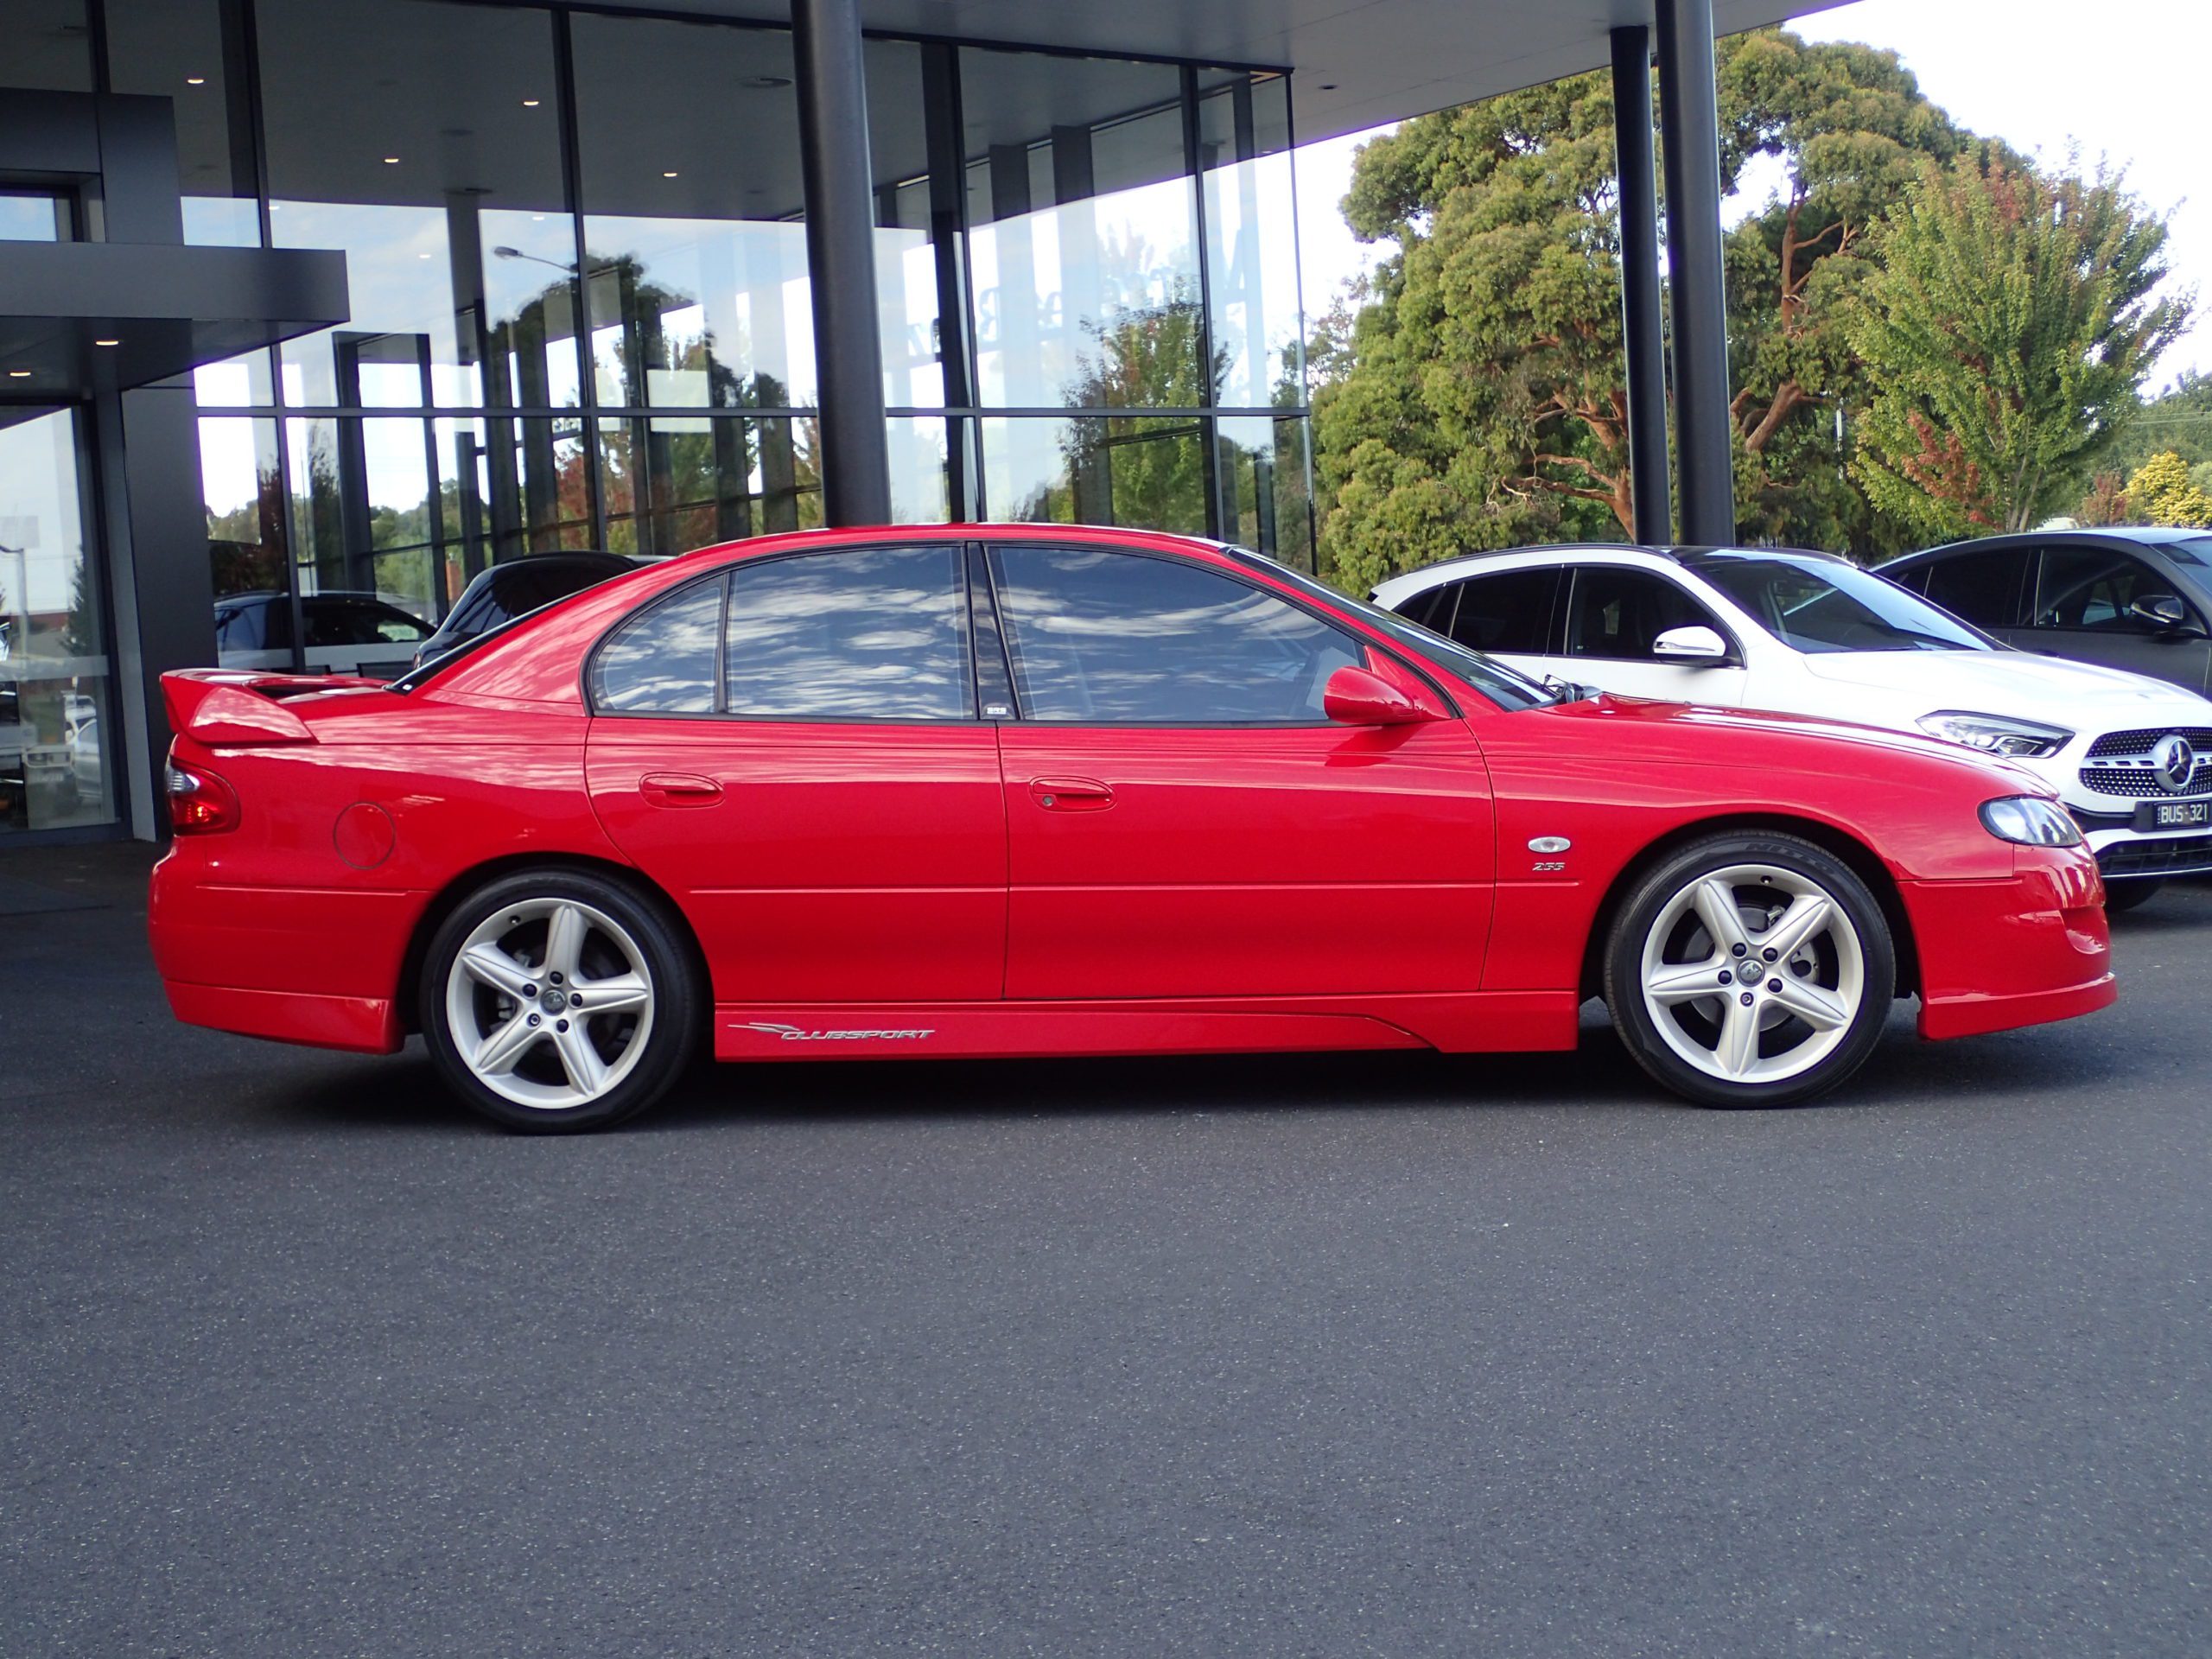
581 313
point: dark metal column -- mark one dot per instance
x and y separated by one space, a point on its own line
1642 332
840 260
1689 134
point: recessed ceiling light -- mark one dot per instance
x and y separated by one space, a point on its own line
107 342
530 103
19 374
391 160
422 256
670 174
195 80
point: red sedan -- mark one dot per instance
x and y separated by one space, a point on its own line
1029 790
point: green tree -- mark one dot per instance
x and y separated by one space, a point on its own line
2179 419
2007 329
1477 399
2161 492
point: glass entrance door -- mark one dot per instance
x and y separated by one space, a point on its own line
57 760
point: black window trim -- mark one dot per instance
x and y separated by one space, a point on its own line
723 573
1563 614
1297 601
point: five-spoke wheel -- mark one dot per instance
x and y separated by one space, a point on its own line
557 999
1750 970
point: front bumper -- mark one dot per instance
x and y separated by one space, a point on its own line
2124 852
1997 955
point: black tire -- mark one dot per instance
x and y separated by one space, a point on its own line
663 958
2130 892
1795 859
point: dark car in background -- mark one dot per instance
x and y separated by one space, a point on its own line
516 588
2137 598
343 633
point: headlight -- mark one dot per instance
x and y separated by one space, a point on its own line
2020 740
2031 821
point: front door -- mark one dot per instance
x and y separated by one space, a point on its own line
1183 819
2083 595
1614 615
826 806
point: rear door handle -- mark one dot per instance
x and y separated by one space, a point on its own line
678 789
1071 794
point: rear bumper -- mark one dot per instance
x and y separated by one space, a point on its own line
361 1025
313 965
1998 954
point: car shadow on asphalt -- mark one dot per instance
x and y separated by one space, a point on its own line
403 1093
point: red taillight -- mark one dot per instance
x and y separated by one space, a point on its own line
201 803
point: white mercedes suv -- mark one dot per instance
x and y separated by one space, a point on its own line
1811 633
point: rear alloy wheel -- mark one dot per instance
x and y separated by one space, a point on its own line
558 1001
1750 970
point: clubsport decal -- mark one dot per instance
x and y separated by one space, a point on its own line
793 1034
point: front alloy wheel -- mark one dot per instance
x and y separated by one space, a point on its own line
1751 970
557 1000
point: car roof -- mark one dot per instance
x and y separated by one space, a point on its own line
1687 553
2143 535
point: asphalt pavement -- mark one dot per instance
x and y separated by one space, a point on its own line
1350 1356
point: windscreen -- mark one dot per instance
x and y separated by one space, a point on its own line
1816 605
1503 686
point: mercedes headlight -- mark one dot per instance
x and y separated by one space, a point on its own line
2031 821
2017 740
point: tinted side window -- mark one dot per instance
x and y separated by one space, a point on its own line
662 661
1511 612
2092 588
1983 588
866 634
1618 613
1431 608
1104 636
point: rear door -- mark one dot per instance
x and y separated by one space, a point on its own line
1183 818
1988 587
792 748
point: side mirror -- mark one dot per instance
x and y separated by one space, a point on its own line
1355 696
1694 647
2163 613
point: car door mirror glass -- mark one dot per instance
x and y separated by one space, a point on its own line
1356 697
1691 645
2163 614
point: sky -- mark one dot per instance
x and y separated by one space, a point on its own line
2123 80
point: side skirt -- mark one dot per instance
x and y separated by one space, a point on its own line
1471 1022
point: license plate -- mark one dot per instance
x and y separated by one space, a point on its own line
2173 815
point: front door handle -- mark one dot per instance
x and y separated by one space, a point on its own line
1071 794
678 789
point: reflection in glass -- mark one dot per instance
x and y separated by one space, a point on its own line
905 253
663 662
410 510
419 200
1097 636
244 501
1147 472
1265 503
918 492
697 258
55 770
672 483
1251 241
1083 233
875 634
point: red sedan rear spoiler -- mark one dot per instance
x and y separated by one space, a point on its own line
231 707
